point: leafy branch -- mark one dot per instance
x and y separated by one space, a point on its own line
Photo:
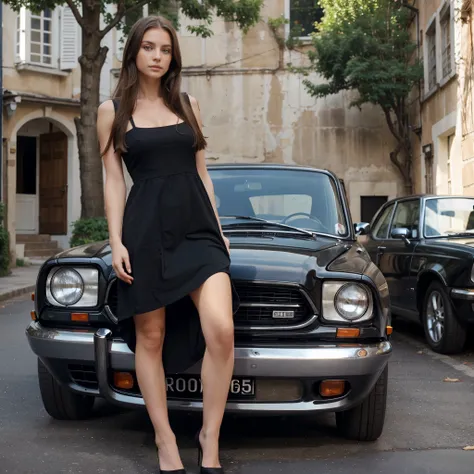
365 46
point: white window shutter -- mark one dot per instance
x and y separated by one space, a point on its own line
69 47
21 36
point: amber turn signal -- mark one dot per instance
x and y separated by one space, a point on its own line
32 296
389 330
123 380
348 332
33 315
82 317
332 388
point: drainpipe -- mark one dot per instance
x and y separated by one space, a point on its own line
1 101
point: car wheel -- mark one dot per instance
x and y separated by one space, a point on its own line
365 422
59 402
443 331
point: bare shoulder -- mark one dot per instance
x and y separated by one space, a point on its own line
106 108
193 101
106 113
195 107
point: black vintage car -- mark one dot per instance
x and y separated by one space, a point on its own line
424 245
312 330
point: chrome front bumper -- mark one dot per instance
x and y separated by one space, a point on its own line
360 364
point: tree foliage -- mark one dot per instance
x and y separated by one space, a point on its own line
88 13
365 46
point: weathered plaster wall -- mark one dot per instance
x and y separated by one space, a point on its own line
466 98
440 115
281 123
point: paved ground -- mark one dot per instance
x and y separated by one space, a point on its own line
429 422
21 280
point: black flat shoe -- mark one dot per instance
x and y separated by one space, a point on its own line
206 470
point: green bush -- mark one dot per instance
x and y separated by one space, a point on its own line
4 245
87 231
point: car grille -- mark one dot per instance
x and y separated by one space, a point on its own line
258 302
84 375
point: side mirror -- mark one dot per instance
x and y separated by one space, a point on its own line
362 228
401 233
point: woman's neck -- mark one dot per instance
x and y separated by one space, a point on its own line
149 89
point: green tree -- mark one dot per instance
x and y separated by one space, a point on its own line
88 13
365 46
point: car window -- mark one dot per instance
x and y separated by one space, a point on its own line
407 215
380 227
300 198
280 205
449 216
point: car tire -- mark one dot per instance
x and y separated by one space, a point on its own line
454 334
59 402
365 421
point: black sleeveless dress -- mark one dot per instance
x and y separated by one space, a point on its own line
173 239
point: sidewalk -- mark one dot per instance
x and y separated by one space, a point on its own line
21 280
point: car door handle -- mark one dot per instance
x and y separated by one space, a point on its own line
381 248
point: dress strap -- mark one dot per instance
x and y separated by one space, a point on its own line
132 122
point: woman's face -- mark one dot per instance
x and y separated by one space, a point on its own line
155 53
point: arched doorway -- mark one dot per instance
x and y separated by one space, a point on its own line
41 179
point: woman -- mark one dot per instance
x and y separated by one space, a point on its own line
166 240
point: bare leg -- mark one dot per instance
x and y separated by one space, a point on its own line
213 301
150 329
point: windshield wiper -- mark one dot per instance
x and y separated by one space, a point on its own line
269 223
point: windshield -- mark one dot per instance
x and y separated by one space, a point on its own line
303 199
449 216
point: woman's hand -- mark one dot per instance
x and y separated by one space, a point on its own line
121 259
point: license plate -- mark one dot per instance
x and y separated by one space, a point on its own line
283 314
190 386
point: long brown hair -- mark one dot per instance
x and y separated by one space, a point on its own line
126 91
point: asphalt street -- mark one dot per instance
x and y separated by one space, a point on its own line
430 419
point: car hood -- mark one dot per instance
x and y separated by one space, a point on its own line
279 259
282 262
96 249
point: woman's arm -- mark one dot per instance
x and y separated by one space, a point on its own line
202 168
115 189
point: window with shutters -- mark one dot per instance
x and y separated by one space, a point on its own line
446 39
48 39
438 49
431 44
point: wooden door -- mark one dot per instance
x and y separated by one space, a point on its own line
53 184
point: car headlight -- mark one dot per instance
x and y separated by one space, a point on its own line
347 302
68 286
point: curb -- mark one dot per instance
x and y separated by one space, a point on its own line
18 292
